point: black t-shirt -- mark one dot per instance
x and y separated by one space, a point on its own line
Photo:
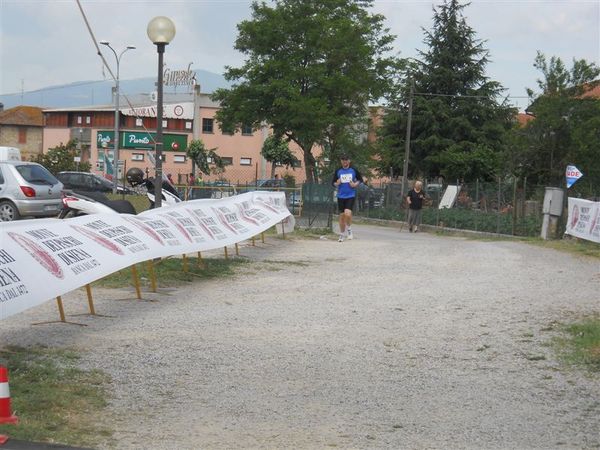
416 199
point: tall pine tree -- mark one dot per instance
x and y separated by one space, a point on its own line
458 123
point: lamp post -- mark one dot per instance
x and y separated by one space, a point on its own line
116 138
407 139
161 31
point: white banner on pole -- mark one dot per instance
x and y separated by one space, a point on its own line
41 259
584 219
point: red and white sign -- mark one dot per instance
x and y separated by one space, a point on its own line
43 258
584 219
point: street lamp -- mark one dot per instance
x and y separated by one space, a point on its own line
161 31
407 140
116 138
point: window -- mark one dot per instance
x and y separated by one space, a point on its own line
207 125
227 160
247 130
22 135
297 163
179 158
245 161
137 156
139 122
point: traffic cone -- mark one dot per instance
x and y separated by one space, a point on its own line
6 415
5 412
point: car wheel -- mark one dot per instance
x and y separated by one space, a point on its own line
8 211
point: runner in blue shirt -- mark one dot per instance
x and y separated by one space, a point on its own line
346 179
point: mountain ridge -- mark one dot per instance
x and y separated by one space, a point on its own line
87 93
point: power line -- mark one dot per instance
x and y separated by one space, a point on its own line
105 64
426 94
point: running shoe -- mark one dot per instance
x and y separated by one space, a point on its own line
350 236
341 238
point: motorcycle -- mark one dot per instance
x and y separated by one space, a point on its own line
78 203
170 196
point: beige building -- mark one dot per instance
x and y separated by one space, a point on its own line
22 127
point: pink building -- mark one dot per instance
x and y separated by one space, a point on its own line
185 117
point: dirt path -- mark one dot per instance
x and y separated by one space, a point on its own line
392 340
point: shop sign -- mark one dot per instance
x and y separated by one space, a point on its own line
171 111
186 77
142 140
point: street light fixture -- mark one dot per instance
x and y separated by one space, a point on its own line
116 138
161 31
404 187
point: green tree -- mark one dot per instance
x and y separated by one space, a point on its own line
277 151
458 124
311 69
62 158
558 80
565 129
205 159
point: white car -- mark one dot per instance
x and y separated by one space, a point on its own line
28 189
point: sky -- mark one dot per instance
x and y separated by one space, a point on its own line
46 42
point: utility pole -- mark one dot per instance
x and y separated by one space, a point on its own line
407 139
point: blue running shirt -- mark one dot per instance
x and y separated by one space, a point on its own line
346 176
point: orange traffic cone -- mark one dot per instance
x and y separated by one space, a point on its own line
6 415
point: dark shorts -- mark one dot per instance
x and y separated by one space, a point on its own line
345 203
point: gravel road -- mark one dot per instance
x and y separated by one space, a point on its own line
392 340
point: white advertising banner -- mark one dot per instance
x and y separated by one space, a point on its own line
41 259
584 219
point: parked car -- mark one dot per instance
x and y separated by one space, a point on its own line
89 182
271 183
212 189
28 189
295 199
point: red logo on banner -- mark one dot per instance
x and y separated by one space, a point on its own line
99 240
39 254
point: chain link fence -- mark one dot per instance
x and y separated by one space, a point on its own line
510 207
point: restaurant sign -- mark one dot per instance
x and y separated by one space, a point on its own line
171 111
142 140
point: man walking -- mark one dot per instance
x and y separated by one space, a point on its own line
346 179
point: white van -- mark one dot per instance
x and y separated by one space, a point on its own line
10 154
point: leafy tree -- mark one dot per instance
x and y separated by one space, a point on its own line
558 80
205 159
62 158
277 151
458 125
311 69
565 129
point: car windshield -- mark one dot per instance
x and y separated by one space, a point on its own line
103 181
36 174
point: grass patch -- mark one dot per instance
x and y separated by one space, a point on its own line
288 263
139 202
570 245
54 400
170 272
581 345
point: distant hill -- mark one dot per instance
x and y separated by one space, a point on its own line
86 93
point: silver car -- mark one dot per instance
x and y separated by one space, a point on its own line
28 189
